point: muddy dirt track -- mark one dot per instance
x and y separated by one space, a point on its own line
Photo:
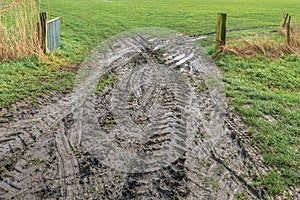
158 130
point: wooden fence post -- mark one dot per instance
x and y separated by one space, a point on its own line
284 20
288 30
43 30
221 30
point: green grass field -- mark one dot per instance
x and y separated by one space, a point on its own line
265 91
87 23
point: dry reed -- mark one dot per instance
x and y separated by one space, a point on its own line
18 30
272 48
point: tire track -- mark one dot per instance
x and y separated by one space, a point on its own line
130 99
68 164
159 132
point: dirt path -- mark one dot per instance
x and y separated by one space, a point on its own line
158 131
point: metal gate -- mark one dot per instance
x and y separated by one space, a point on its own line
53 34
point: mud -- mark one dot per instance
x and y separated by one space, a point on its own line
161 130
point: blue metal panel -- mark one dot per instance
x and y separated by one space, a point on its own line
53 36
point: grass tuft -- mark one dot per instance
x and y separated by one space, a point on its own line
264 47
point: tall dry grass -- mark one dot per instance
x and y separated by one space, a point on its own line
18 29
272 48
267 46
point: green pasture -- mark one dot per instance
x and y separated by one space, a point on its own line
87 23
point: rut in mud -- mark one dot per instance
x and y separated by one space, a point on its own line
158 130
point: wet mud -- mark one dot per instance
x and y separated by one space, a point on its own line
160 130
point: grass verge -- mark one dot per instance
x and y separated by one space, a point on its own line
28 77
265 91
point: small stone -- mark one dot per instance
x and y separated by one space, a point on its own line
3 112
4 120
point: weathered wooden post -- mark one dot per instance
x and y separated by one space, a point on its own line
221 30
43 30
288 30
284 20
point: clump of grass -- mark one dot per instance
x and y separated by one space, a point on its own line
295 29
105 80
18 30
272 48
